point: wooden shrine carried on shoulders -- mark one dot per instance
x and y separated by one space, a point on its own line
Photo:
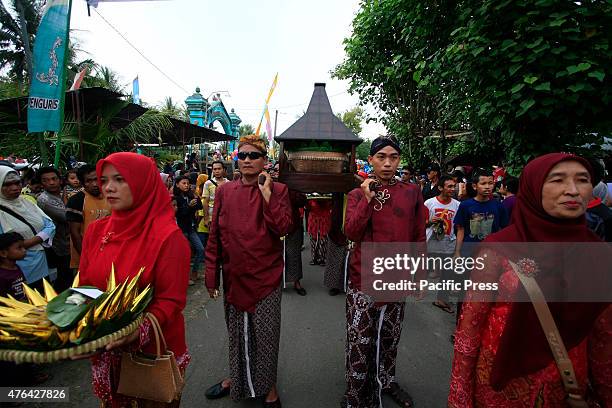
317 152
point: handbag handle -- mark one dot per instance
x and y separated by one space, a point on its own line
557 347
158 333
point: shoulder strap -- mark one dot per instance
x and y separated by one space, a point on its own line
19 217
557 347
214 182
159 334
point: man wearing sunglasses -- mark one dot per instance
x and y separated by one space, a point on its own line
249 218
391 212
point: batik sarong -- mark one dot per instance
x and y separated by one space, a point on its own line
318 248
373 333
253 347
293 255
336 266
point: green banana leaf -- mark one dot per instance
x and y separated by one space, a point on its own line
64 315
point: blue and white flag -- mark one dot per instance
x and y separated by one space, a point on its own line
136 91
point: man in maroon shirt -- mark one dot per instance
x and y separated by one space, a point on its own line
392 213
248 220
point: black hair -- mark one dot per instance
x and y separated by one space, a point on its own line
71 171
180 178
8 239
511 183
28 175
478 173
48 169
35 179
434 167
443 179
598 170
217 162
83 171
177 192
458 173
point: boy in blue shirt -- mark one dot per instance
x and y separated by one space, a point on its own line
476 218
479 216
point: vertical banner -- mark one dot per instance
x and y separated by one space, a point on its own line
272 88
48 82
136 91
269 130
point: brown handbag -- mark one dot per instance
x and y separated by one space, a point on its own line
575 398
151 377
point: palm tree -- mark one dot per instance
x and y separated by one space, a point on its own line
246 129
171 109
17 31
107 78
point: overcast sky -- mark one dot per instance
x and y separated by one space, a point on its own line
232 45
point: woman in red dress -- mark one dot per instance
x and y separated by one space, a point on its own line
319 223
141 232
502 358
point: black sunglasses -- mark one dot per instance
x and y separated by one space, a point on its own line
250 155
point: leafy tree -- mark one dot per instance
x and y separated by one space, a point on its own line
11 88
173 110
99 137
526 77
17 31
352 119
363 150
246 129
105 77
389 38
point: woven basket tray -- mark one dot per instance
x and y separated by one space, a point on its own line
39 357
317 162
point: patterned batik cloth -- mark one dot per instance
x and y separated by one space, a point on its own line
336 266
253 373
293 255
373 333
318 248
477 340
106 367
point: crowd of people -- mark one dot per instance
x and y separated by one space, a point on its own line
245 237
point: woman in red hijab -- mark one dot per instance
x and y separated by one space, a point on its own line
502 357
141 232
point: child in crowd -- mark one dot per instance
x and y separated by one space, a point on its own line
11 283
11 276
478 217
73 185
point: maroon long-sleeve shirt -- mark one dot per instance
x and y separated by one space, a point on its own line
248 230
401 219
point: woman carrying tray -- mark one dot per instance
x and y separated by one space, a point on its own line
141 232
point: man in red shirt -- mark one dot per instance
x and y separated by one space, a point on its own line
394 213
248 220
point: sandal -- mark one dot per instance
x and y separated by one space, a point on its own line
397 394
446 308
217 391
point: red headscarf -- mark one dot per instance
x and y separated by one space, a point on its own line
519 354
140 231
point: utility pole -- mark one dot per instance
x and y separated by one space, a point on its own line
271 144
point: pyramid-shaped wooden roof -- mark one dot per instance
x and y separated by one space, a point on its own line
319 122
